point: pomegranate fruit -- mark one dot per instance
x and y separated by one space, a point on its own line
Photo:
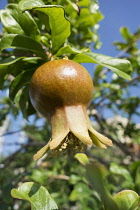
61 91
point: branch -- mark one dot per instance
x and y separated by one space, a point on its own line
8 160
11 132
122 146
92 106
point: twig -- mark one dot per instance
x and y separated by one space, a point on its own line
11 132
112 92
7 160
121 146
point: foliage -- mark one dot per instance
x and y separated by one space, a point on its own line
35 32
36 194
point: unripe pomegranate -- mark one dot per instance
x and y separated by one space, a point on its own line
61 91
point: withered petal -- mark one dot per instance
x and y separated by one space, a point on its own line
77 123
98 139
60 128
103 139
41 152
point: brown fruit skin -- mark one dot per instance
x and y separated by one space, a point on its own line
60 83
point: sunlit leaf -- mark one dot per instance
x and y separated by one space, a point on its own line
37 195
21 80
69 50
87 18
16 22
24 4
4 68
10 61
21 42
60 26
127 199
82 158
121 67
125 33
84 3
24 102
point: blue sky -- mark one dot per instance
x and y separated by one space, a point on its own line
117 13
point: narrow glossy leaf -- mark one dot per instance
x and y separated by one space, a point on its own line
60 26
24 102
24 4
125 33
12 60
36 194
3 73
82 158
33 60
30 109
21 80
96 174
120 66
16 22
4 69
10 24
69 50
127 199
98 70
22 42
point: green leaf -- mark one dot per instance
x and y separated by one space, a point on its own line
60 26
21 80
4 69
82 158
10 24
119 170
23 102
84 3
75 6
127 199
12 61
37 195
125 33
69 50
22 42
81 191
96 174
24 4
39 176
120 66
88 18
3 73
137 178
98 70
16 22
